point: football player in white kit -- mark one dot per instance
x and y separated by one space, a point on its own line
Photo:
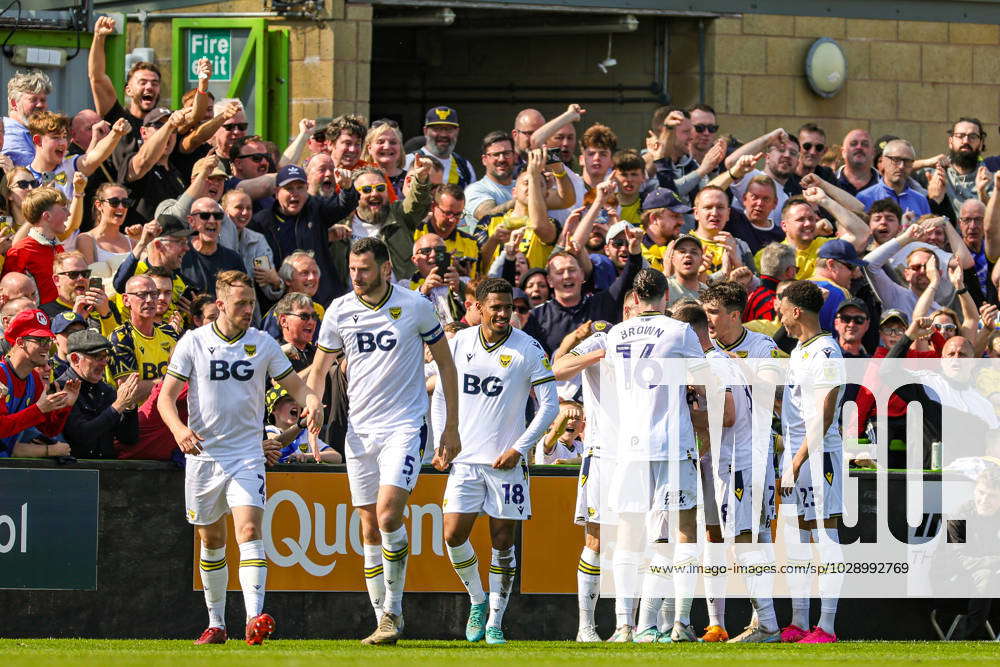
731 490
815 388
498 366
724 304
656 468
581 353
226 365
382 330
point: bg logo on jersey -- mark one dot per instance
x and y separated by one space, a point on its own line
220 369
489 386
368 341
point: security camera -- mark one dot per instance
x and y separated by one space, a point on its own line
605 64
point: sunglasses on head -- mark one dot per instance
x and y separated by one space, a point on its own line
115 202
209 215
256 157
27 185
852 319
76 275
232 127
384 121
706 127
368 189
808 146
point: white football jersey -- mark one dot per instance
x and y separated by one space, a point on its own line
735 444
494 382
227 379
598 432
815 364
752 345
384 347
654 422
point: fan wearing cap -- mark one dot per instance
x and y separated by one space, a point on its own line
663 214
63 326
46 212
300 221
683 269
23 403
285 425
149 174
101 415
164 242
441 133
851 324
835 267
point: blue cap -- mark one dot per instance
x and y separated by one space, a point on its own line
665 198
289 174
841 251
64 320
441 116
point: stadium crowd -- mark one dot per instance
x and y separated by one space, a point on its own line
118 219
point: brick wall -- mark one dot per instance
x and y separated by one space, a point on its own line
904 77
330 66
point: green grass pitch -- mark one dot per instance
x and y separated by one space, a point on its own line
293 653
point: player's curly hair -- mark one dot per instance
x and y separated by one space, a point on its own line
493 286
650 285
730 295
805 295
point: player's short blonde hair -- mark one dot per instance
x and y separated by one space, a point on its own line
229 279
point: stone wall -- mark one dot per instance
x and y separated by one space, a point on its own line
906 78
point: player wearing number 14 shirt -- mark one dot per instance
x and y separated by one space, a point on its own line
226 365
498 366
381 330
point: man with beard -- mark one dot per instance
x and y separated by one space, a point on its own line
441 131
858 171
393 223
300 221
208 259
27 93
662 217
142 88
966 141
72 279
321 172
896 165
780 161
493 194
148 172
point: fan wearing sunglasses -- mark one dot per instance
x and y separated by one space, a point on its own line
229 133
851 324
208 258
812 147
249 157
706 128
105 242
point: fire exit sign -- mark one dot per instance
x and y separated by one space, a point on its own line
214 44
